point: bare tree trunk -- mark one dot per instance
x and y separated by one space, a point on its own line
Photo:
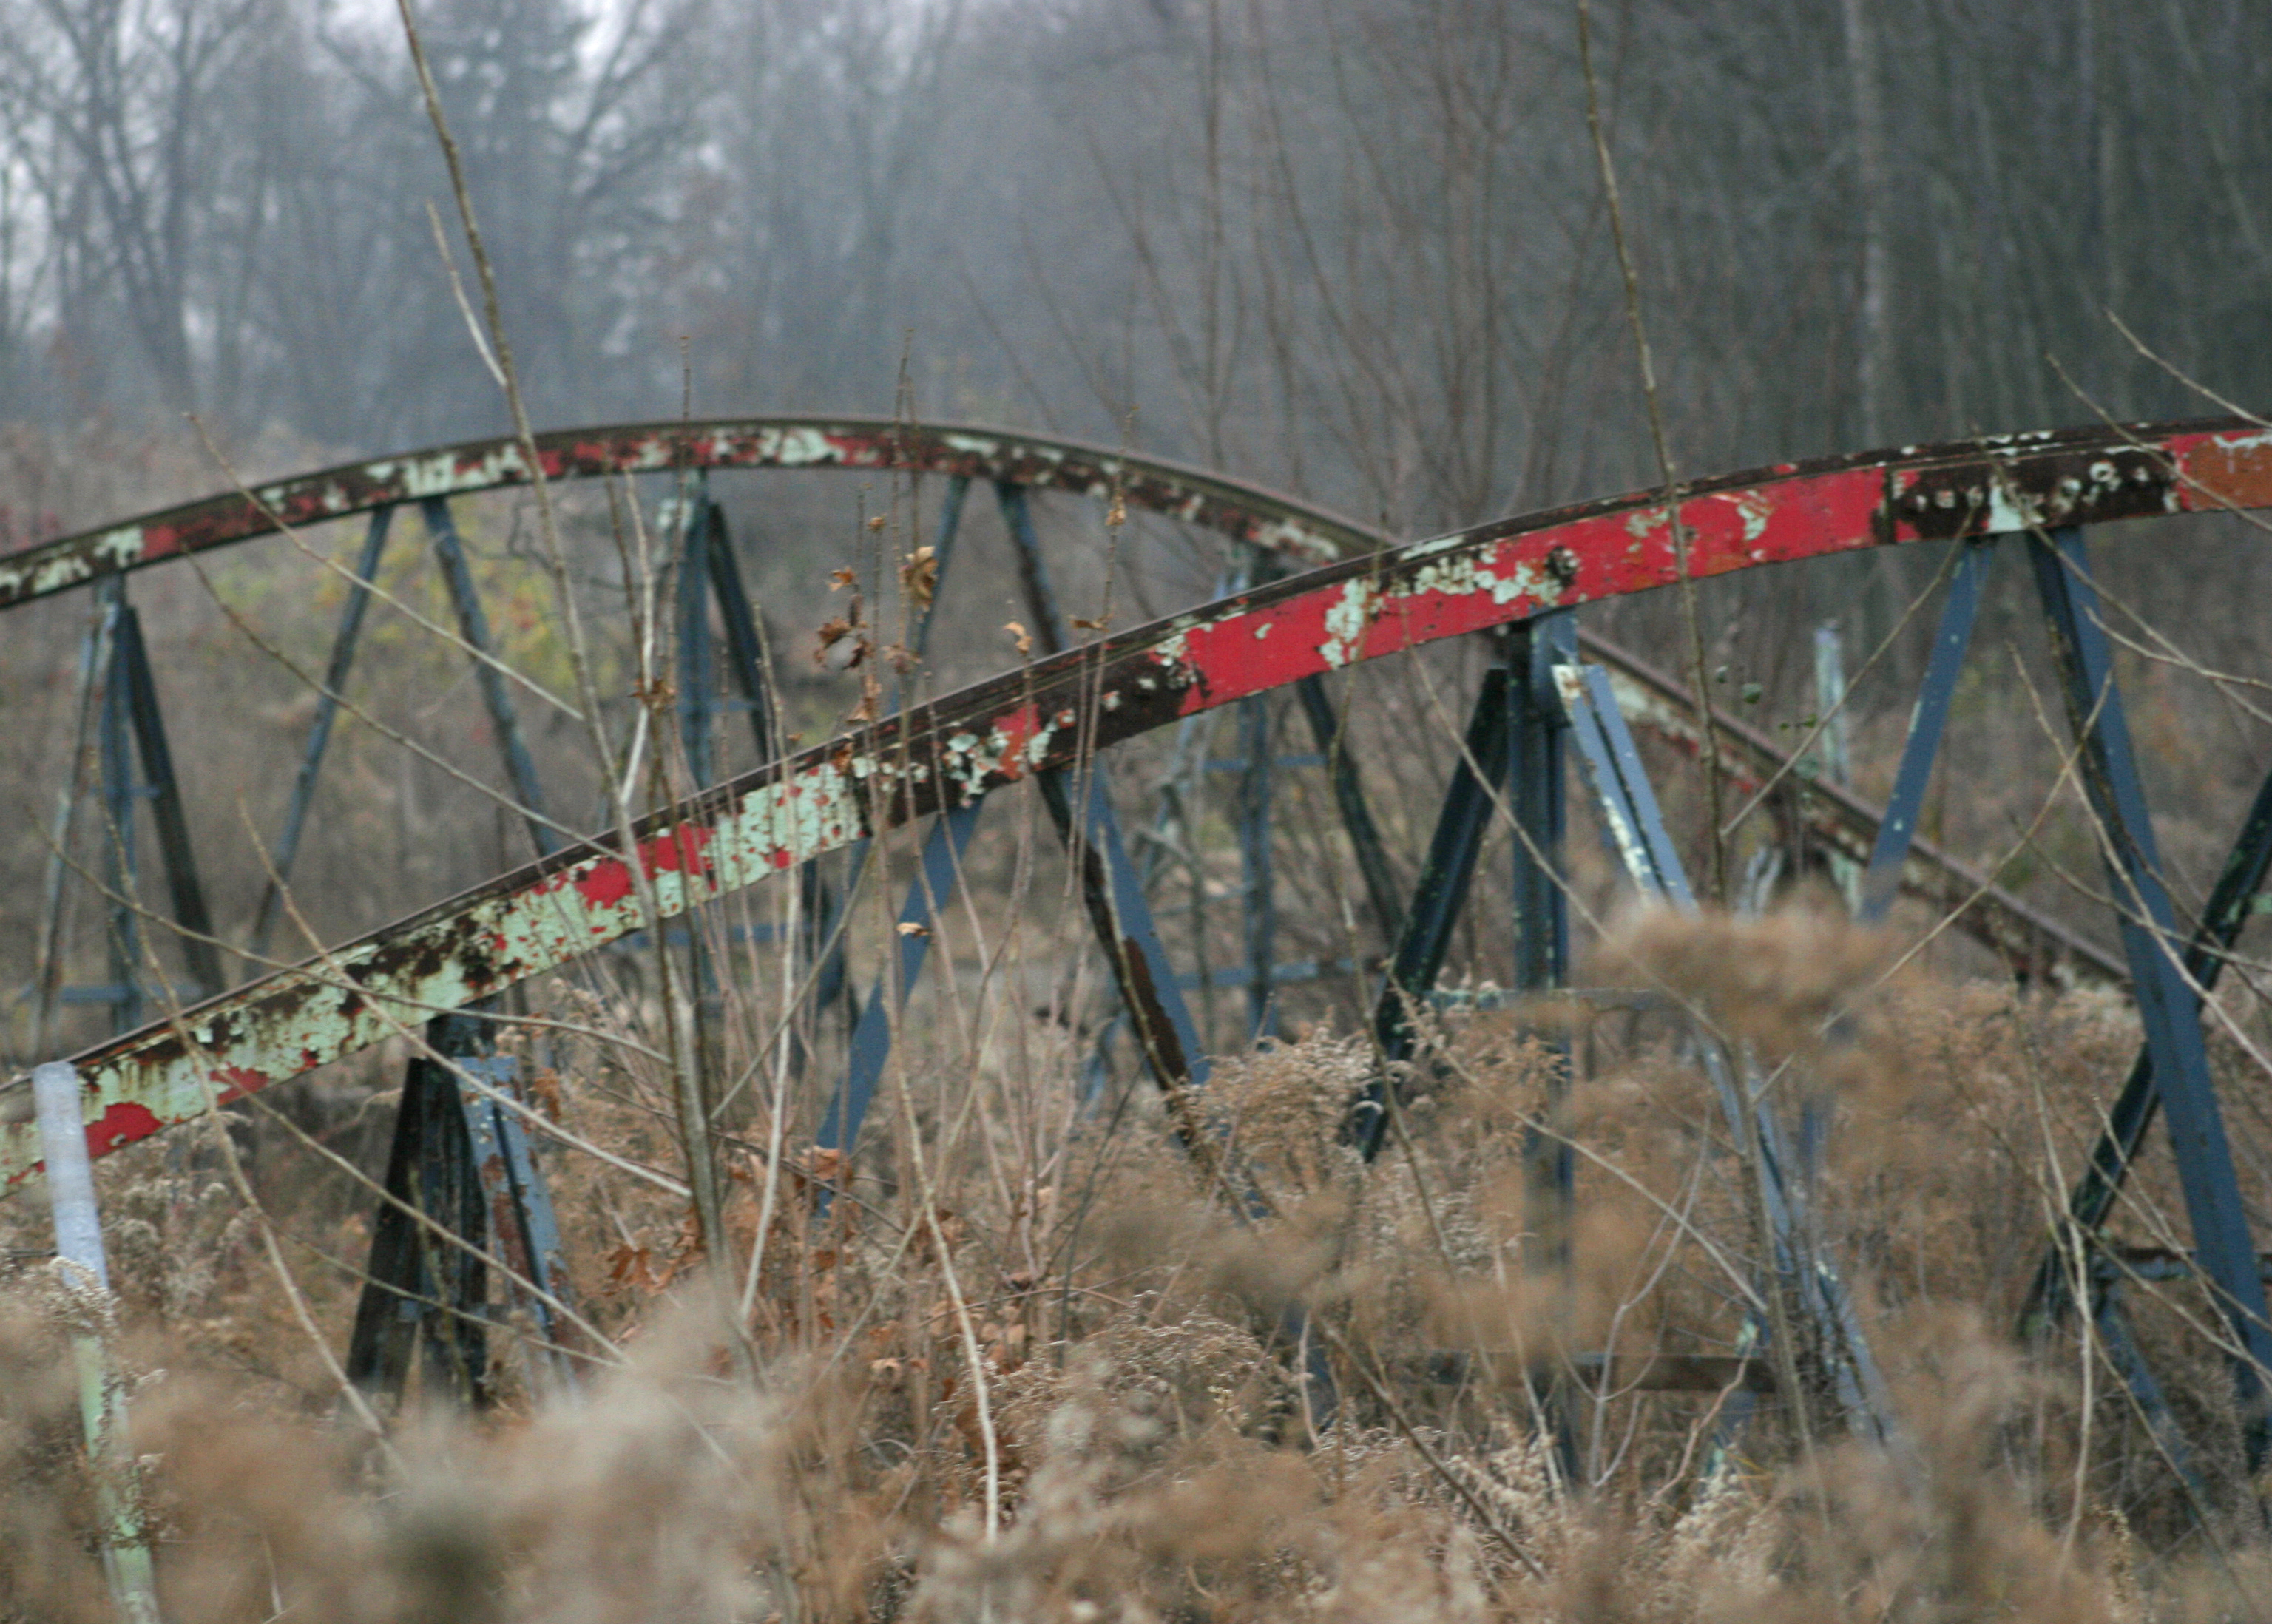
1870 185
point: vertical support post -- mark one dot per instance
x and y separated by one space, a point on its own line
199 950
120 870
287 848
474 626
2167 1005
1444 876
523 1232
697 660
1541 917
1536 784
1927 720
126 1564
423 1295
93 665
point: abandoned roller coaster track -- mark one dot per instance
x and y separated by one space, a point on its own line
1358 596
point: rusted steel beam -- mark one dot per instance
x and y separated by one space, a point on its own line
1239 511
1929 492
1933 490
1026 721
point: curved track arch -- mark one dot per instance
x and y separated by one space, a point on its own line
1241 511
1056 712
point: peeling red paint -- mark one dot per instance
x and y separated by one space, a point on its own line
238 1081
122 1124
682 850
524 924
605 884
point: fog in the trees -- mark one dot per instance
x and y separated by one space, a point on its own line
1353 247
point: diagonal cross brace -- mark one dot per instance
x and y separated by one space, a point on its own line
2168 1007
1445 875
466 1165
287 848
1111 887
871 1038
2231 906
1927 721
473 627
1629 805
132 726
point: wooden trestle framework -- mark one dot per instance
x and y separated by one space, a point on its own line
464 1181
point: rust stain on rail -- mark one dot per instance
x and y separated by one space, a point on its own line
538 917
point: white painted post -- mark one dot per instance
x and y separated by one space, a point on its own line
85 1280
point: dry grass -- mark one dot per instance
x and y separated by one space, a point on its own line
1156 1458
1144 1442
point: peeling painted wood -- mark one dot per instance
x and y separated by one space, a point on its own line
952 751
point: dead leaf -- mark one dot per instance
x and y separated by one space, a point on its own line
840 578
1087 626
838 648
908 927
1020 635
919 575
630 1267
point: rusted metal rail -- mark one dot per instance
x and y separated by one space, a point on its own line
949 752
1053 721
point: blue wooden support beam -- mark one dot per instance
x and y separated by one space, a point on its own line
464 1163
523 1232
1536 774
423 1298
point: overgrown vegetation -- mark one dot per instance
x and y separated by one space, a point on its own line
1020 1355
